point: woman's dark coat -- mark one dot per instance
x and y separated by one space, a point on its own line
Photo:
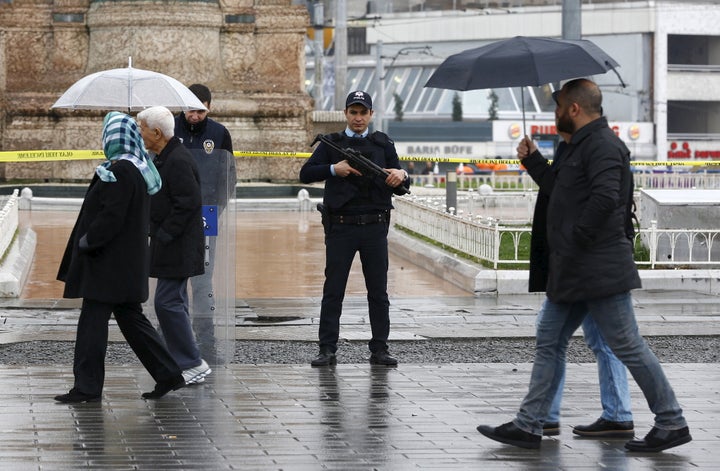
589 253
177 237
113 268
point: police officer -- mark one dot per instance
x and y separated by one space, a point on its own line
356 217
211 145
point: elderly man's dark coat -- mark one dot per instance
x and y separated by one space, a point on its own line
590 255
114 218
177 237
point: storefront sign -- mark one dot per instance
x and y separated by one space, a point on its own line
694 150
504 131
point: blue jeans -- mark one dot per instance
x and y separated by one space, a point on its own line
612 375
615 319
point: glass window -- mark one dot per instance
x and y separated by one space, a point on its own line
414 95
440 102
476 103
361 79
523 96
690 117
409 83
506 101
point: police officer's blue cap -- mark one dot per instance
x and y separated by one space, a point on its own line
359 97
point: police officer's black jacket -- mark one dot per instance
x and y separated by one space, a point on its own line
353 194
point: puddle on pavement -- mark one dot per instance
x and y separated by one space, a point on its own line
278 254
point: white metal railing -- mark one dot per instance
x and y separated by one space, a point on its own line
505 207
680 247
9 220
476 236
500 180
705 179
481 237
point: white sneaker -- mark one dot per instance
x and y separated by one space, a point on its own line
197 374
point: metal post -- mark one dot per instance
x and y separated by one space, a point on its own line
571 19
340 54
379 104
318 26
451 192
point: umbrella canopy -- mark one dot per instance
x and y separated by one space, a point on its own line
521 61
128 89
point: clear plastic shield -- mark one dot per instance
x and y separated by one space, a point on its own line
212 295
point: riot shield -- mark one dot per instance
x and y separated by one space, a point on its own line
212 295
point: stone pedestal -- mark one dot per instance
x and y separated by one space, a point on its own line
681 209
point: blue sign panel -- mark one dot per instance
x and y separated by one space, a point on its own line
210 220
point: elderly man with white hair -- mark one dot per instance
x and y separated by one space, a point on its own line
176 238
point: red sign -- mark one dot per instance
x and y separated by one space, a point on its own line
683 151
551 129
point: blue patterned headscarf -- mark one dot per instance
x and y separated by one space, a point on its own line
122 141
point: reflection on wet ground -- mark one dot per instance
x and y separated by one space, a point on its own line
278 254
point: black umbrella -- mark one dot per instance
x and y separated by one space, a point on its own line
521 61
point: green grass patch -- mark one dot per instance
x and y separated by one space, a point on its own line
507 250
7 250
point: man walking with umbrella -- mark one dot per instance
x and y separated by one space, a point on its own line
616 420
591 272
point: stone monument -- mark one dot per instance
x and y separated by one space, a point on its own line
249 52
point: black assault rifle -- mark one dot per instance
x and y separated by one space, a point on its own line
360 162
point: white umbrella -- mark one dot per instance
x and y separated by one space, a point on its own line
128 89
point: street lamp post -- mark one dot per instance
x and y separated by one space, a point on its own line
379 106
318 26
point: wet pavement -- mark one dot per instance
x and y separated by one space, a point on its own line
279 254
348 417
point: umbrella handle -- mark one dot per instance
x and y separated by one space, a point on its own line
522 103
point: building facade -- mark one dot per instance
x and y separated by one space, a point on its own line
668 51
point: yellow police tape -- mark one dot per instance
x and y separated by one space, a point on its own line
54 155
48 155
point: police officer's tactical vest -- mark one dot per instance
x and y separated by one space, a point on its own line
359 194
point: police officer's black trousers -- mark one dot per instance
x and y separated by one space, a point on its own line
341 243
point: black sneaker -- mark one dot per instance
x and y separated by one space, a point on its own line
659 440
551 429
77 397
510 434
324 359
602 428
382 358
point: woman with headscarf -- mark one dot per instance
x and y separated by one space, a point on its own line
106 264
